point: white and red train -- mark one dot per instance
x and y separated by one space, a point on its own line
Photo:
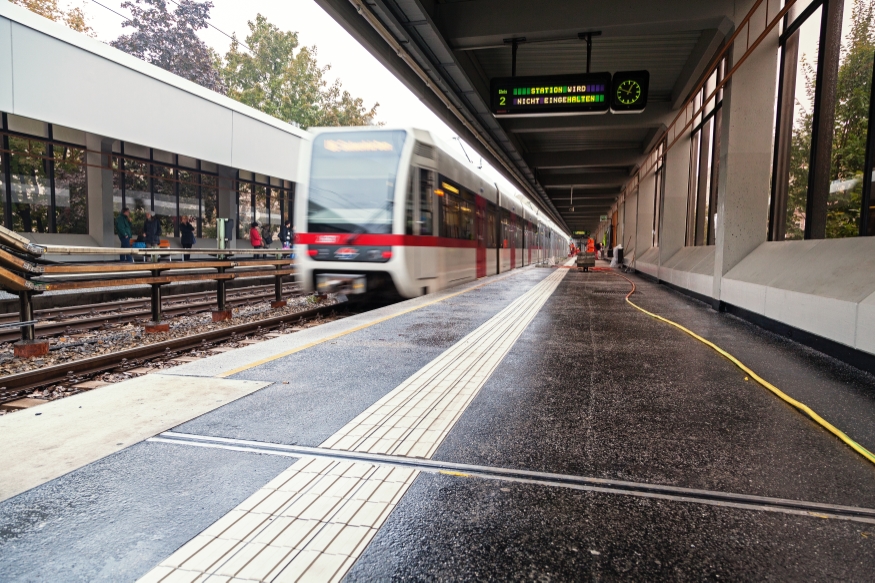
383 208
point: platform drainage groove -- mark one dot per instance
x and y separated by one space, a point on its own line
619 292
586 483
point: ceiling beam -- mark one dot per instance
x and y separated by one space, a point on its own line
584 180
489 22
655 114
705 50
584 158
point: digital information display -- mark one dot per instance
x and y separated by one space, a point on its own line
584 94
557 95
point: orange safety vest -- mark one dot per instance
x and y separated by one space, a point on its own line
590 246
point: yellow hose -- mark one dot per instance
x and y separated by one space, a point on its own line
780 394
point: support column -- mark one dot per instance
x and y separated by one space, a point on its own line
227 207
744 178
673 228
221 313
278 302
99 184
156 325
28 347
646 192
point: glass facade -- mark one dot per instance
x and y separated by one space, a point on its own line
44 188
824 141
266 201
704 160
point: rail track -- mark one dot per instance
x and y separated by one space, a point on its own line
70 320
17 385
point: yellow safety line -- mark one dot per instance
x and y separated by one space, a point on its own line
780 394
356 329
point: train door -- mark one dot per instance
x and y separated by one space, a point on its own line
480 224
512 227
425 251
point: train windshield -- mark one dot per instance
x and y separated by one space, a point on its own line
352 181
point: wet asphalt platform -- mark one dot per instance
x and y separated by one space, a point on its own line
576 410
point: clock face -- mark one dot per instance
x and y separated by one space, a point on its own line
628 92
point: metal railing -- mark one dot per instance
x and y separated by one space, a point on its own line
25 271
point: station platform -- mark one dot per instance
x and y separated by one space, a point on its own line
530 425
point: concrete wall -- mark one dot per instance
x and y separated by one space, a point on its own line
824 287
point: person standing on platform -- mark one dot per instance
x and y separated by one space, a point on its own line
186 230
152 228
255 238
287 235
590 245
125 231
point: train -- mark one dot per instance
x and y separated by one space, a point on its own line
396 209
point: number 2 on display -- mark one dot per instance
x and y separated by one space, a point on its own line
502 100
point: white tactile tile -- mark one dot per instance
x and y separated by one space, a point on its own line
312 522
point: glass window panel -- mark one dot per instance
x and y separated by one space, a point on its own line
851 123
261 213
188 200
117 180
165 199
801 56
276 216
426 205
209 203
244 209
137 195
2 185
71 192
30 185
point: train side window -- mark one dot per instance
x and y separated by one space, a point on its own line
410 210
426 201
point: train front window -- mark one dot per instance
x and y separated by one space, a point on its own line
352 181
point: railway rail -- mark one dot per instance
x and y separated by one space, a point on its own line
17 385
57 321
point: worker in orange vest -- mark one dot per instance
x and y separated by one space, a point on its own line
590 245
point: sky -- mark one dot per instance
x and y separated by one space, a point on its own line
358 71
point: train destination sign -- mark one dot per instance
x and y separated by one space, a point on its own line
589 93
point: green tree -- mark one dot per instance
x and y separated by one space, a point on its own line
169 39
73 18
285 81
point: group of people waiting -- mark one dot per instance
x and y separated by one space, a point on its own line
150 234
260 236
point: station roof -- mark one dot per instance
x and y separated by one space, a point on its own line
448 51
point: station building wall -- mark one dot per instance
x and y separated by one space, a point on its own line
758 257
88 129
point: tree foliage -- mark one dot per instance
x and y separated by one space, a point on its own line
285 81
850 133
74 17
169 40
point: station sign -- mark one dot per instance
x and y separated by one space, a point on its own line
583 94
551 95
580 233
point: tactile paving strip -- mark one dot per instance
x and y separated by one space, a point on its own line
313 521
